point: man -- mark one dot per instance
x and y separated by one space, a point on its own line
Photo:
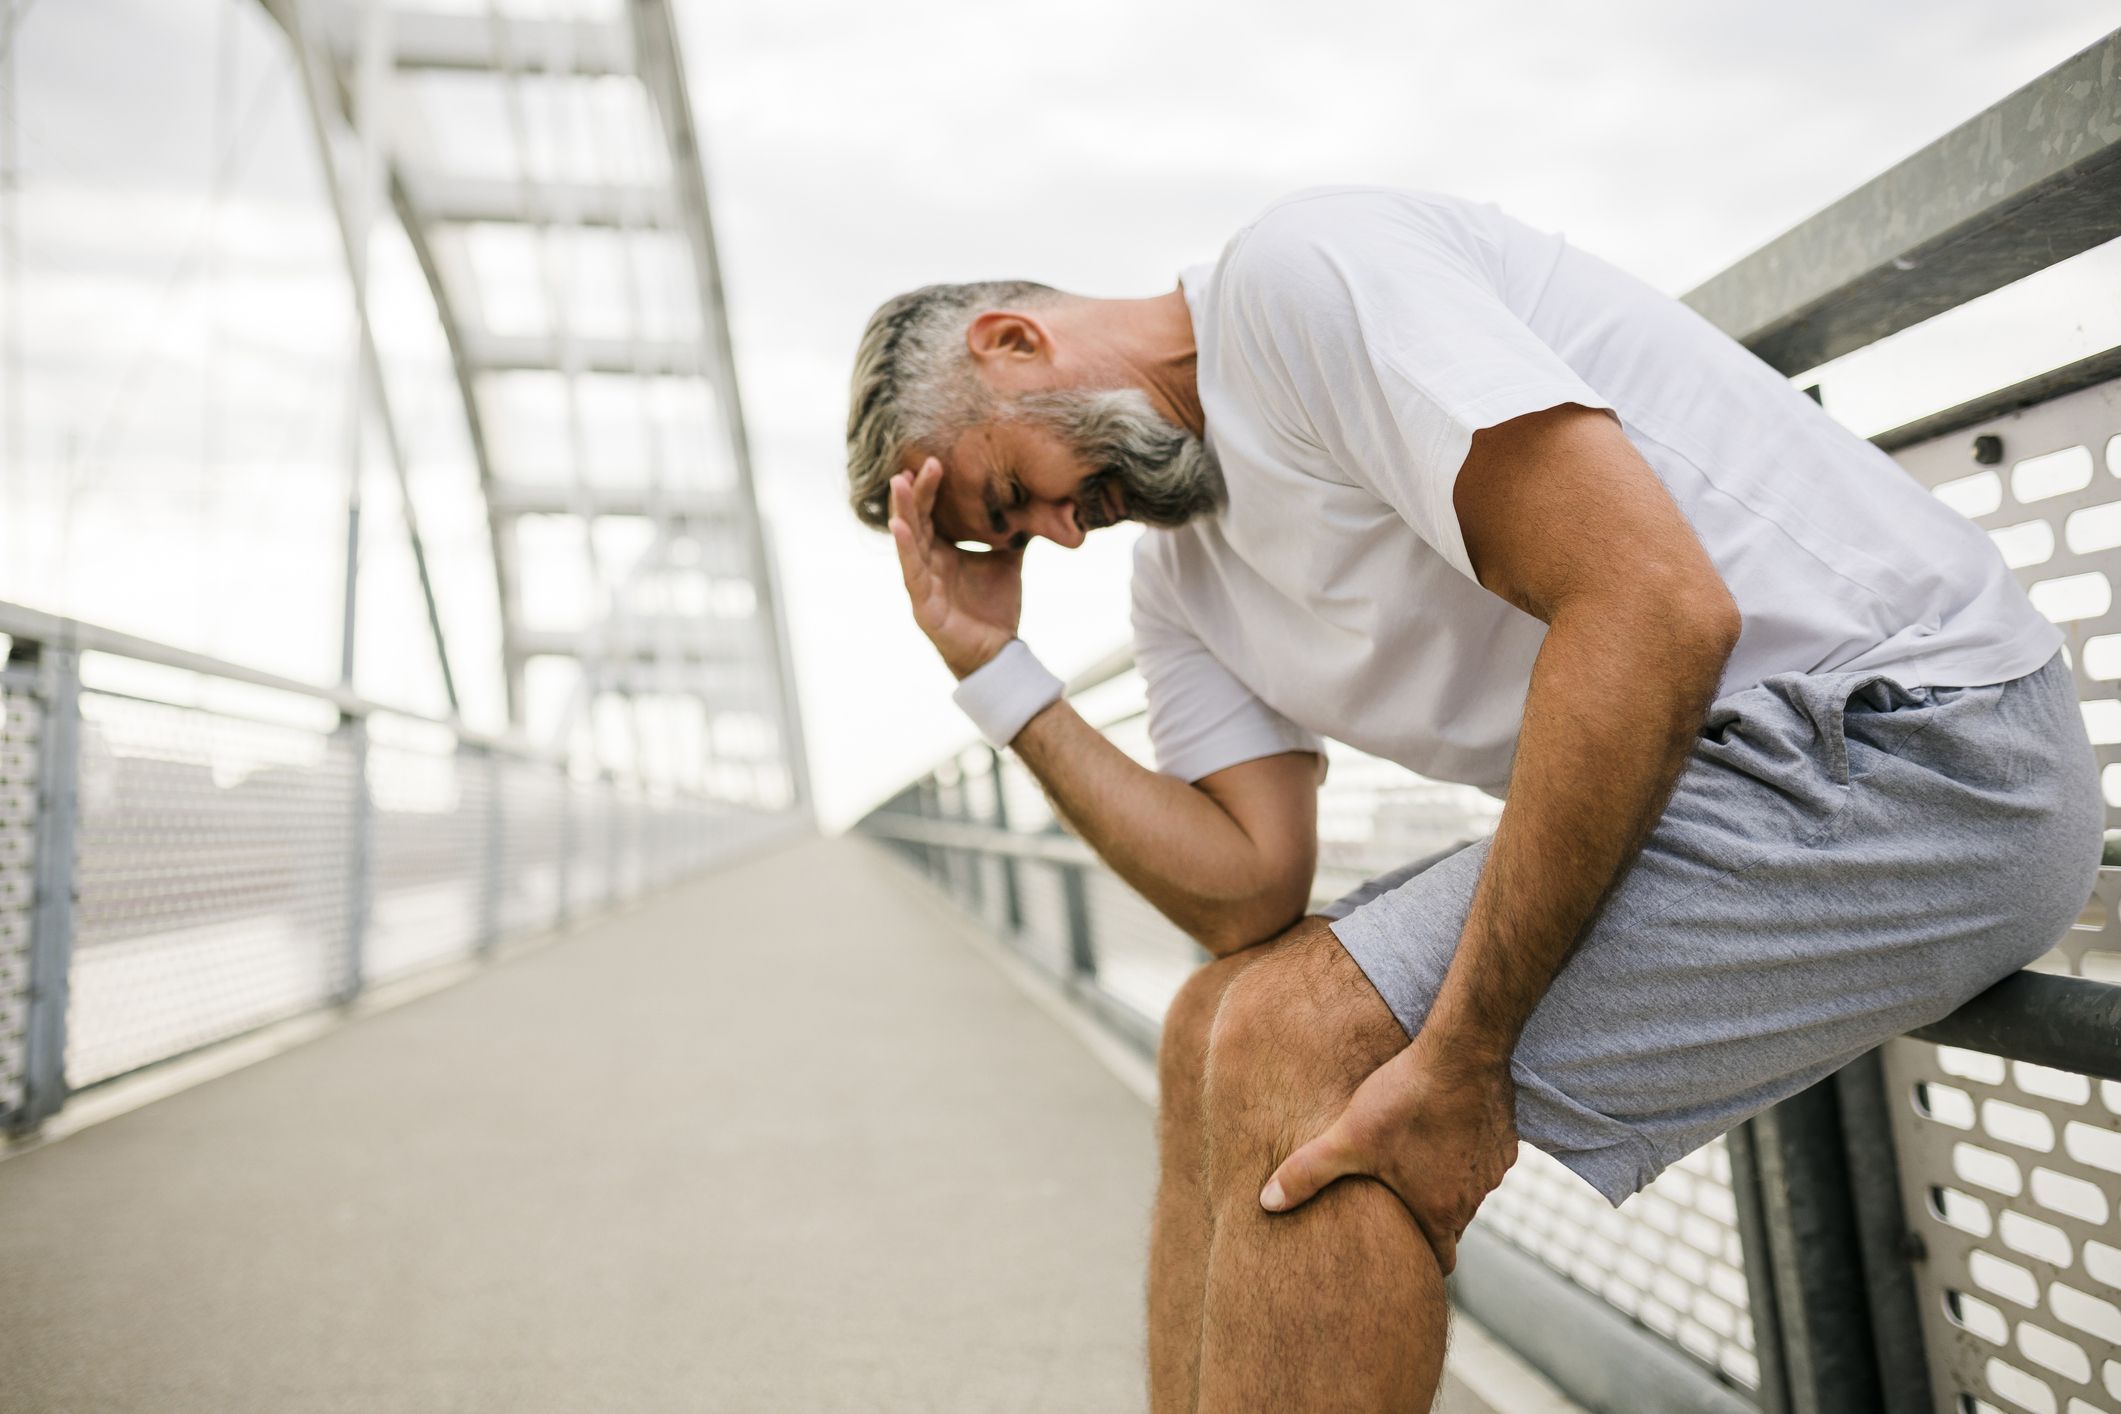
1792 764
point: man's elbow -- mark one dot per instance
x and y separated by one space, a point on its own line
1714 623
1689 619
1262 919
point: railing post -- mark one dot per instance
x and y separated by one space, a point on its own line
561 873
1890 1248
1829 1256
614 835
1012 899
1743 1150
975 860
954 858
353 726
51 929
490 866
1082 949
1829 1356
930 809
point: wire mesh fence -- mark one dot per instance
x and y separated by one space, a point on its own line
1670 1257
211 887
431 814
207 851
20 716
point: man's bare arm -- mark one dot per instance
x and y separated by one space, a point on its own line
1563 518
1228 858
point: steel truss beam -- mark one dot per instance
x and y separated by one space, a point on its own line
460 200
644 47
316 81
518 353
661 67
508 499
423 39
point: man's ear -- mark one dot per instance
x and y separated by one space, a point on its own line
1007 335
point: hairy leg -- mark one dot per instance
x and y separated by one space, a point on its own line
1179 1225
1338 1305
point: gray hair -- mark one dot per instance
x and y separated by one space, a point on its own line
1169 475
914 385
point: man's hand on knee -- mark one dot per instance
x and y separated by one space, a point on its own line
1439 1136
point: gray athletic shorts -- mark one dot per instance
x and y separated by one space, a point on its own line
1842 859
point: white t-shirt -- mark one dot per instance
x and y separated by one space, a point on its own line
1351 341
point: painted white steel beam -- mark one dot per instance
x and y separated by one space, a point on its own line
691 640
507 499
447 199
662 72
517 353
427 39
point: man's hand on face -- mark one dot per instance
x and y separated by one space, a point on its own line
967 602
1440 1137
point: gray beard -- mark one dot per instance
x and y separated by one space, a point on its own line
1166 473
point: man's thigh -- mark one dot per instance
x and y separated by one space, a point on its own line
1841 861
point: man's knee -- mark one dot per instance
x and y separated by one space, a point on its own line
1182 1050
1292 1037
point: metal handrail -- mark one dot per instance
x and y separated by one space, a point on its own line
2066 1023
36 626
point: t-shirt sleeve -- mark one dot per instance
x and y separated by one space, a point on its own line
1201 718
1380 319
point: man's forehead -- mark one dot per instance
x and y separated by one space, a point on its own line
965 499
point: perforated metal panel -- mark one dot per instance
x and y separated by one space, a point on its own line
1374 816
246 849
211 874
1142 957
1669 1256
533 844
629 841
590 828
20 720
675 836
1045 932
2011 1172
994 909
427 854
2052 504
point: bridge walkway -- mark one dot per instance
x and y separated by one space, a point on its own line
780 1138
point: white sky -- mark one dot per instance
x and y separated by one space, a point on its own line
859 149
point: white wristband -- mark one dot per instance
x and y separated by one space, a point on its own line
1006 691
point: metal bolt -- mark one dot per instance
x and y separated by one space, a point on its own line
1988 449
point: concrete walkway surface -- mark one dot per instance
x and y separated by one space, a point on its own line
779 1139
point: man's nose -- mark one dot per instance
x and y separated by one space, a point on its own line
1056 521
